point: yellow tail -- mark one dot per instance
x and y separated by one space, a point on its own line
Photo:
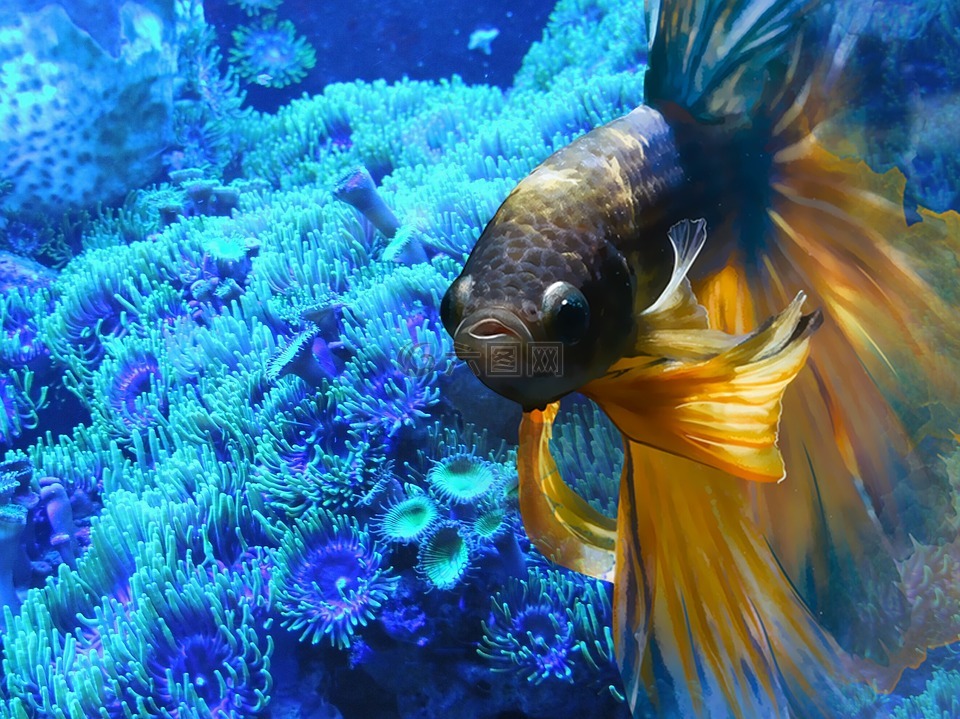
707 623
863 423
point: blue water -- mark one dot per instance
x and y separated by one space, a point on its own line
244 473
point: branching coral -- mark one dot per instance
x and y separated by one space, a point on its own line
271 53
331 578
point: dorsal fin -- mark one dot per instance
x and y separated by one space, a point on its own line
710 56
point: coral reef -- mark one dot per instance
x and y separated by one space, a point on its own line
331 578
239 477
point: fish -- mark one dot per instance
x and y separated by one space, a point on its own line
722 273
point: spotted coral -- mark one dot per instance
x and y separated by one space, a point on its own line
83 125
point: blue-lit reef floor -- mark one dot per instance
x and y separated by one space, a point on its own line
244 474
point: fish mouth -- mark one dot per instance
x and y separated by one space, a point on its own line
493 325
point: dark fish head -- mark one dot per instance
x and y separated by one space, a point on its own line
544 303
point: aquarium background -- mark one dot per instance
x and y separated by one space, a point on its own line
244 474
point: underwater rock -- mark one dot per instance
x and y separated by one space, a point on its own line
82 125
17 271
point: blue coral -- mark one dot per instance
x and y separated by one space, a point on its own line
130 388
20 403
195 647
331 578
310 455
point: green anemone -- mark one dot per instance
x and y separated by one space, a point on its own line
444 556
489 523
408 520
462 478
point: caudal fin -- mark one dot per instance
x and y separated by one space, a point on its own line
863 423
707 625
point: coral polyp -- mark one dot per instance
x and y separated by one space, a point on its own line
444 556
199 649
271 53
462 477
407 520
331 578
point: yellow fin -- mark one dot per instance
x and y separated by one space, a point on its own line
700 597
722 411
565 529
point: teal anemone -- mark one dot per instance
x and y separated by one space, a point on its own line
444 556
331 578
462 477
270 53
408 520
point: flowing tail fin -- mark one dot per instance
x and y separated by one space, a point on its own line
864 422
861 425
705 621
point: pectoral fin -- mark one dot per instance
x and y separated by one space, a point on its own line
676 307
722 411
558 521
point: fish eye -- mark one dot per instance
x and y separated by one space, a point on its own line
566 313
